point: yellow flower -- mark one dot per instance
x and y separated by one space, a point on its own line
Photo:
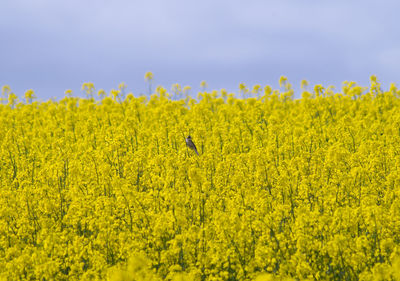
148 76
115 93
306 95
29 95
161 91
282 81
101 93
267 90
318 89
88 86
5 89
176 88
186 89
224 93
256 89
304 84
122 86
393 87
243 88
12 99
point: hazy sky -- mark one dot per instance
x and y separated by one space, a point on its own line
54 45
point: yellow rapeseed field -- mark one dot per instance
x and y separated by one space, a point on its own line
105 188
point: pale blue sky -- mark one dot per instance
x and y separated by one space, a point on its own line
54 45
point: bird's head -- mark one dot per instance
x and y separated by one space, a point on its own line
189 137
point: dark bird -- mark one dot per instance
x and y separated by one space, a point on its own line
190 144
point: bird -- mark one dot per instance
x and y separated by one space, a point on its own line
190 144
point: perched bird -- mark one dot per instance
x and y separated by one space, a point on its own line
190 144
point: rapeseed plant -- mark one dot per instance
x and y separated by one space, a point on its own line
282 189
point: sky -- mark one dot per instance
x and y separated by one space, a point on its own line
54 45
